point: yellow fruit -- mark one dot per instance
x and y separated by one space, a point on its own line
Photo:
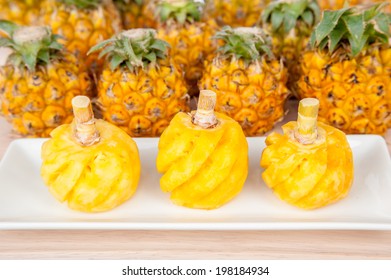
235 13
23 12
250 87
35 94
137 13
203 159
290 24
352 83
82 24
308 174
93 176
189 38
141 95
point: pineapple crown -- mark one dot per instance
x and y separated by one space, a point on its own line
357 27
180 10
285 15
247 43
83 4
133 48
31 46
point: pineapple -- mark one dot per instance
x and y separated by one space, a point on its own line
339 4
250 84
203 157
82 24
290 24
311 164
180 26
140 89
235 13
24 12
348 69
38 80
137 13
92 165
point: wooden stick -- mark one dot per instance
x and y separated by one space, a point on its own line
307 131
85 130
205 115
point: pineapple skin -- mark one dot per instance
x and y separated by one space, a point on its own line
235 13
142 103
82 28
354 93
22 12
253 95
191 44
308 176
36 103
202 168
91 179
137 16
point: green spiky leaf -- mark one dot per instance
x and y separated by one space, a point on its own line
135 48
249 44
31 46
180 11
83 4
8 27
277 19
336 35
282 16
328 23
355 27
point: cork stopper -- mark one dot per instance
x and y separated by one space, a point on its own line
307 131
205 115
85 130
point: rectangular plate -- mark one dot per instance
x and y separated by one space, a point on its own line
25 202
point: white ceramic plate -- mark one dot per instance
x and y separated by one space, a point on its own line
25 202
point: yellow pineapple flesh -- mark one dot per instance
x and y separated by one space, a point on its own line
311 164
92 165
203 157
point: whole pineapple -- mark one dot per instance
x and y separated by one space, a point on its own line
348 69
137 13
140 89
180 25
290 24
38 81
235 13
82 24
250 84
24 12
